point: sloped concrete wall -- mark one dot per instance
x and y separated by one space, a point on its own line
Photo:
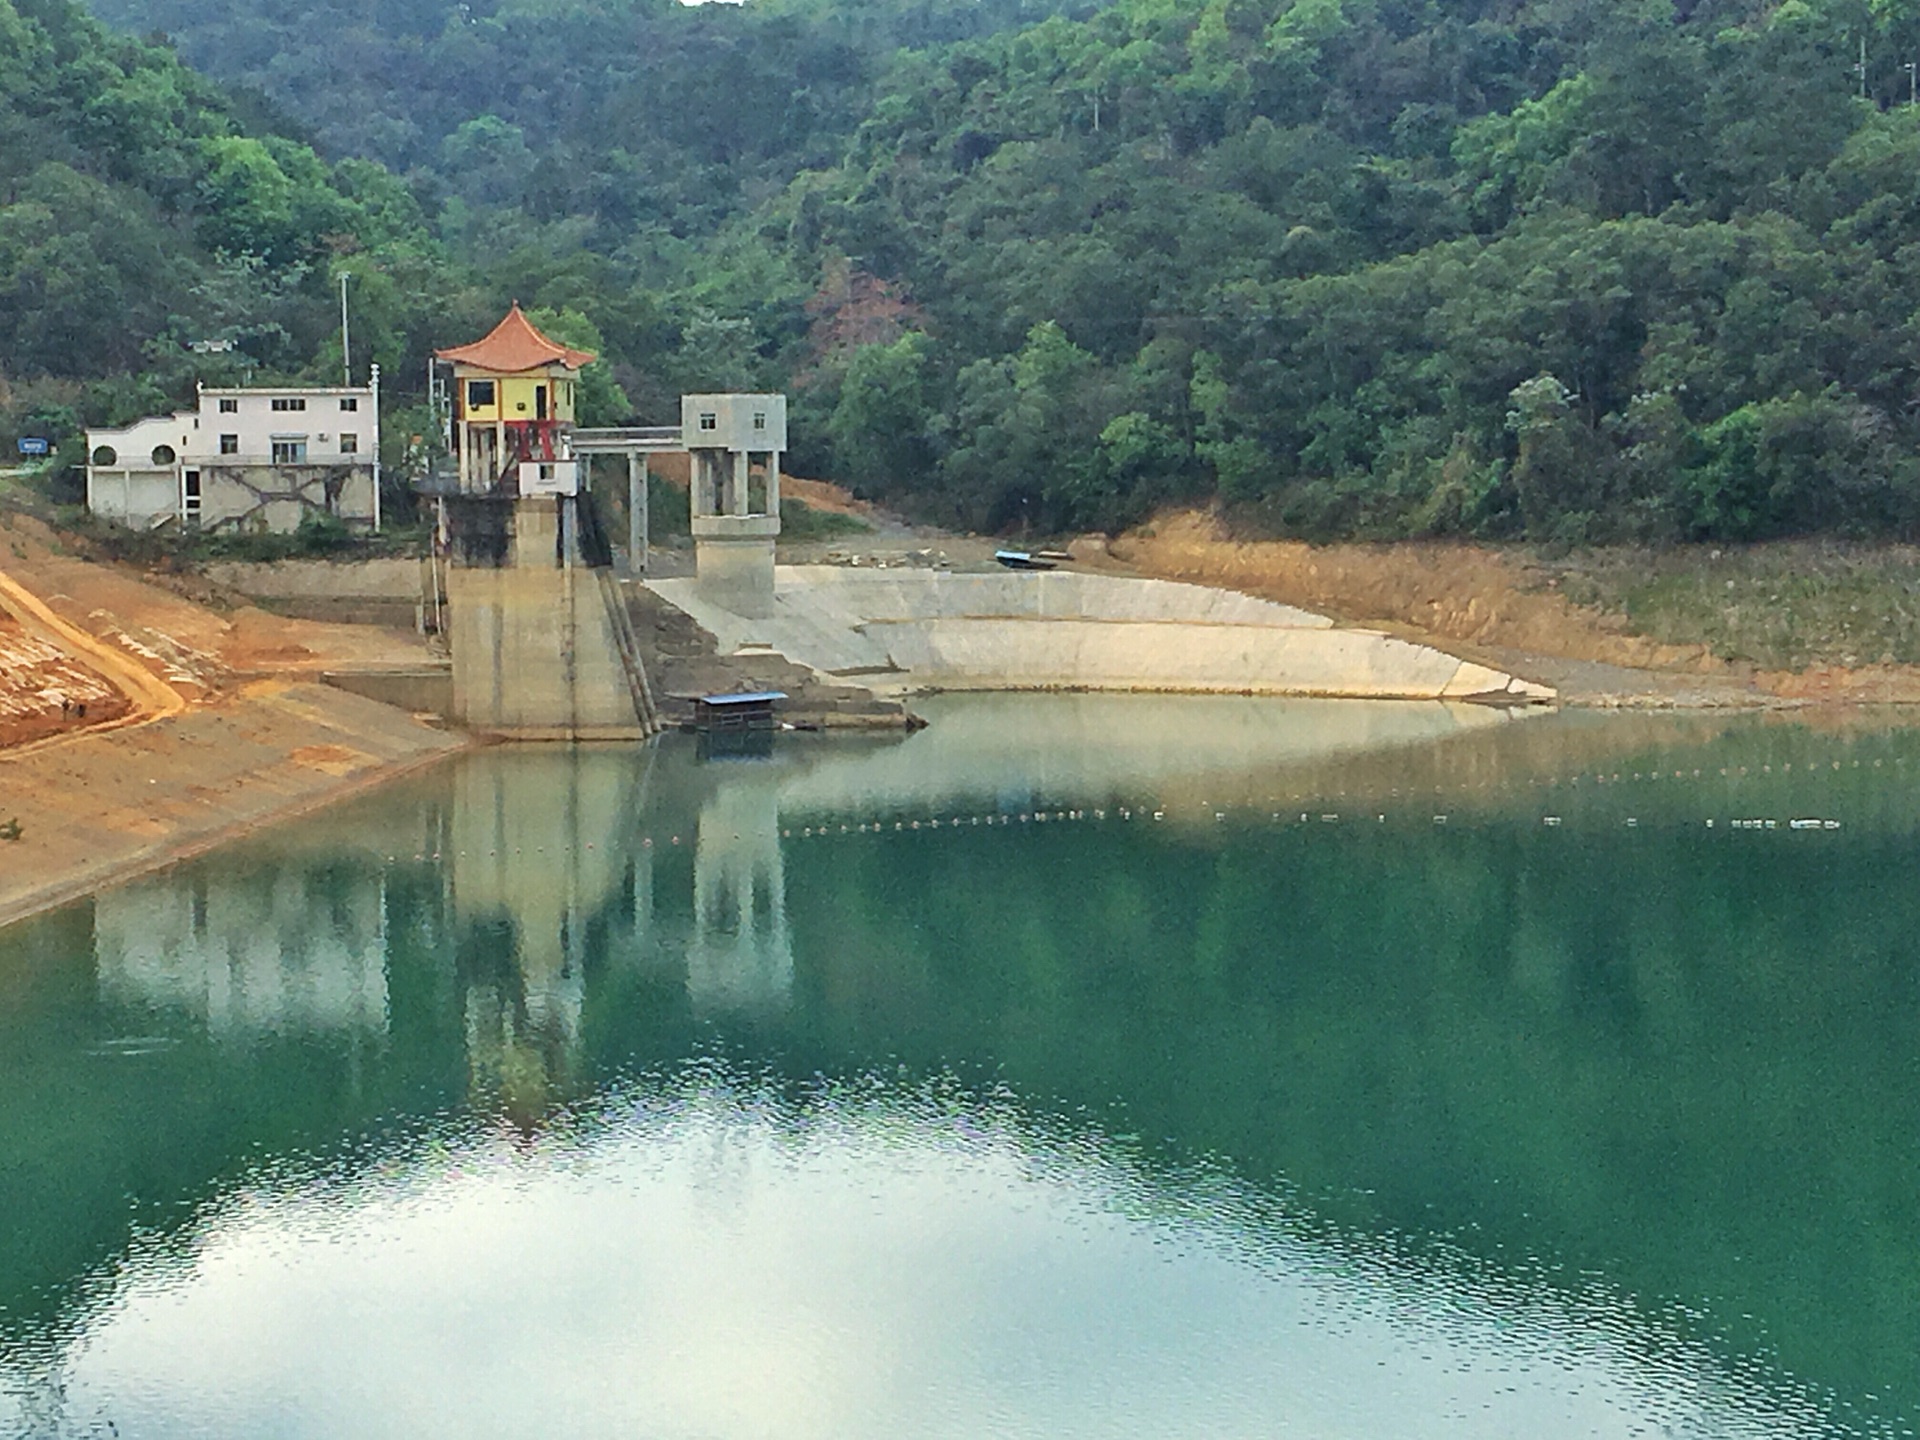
1154 655
866 595
905 629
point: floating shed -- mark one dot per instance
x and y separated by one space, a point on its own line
750 711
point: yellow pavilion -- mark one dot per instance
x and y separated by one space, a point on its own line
513 401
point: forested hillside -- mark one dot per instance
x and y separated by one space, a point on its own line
1563 269
141 213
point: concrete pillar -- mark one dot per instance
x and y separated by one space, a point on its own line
570 530
637 516
739 461
535 533
773 482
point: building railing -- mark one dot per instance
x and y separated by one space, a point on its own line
618 442
248 461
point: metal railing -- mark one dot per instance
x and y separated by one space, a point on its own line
620 442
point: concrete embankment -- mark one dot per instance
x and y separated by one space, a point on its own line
903 630
388 592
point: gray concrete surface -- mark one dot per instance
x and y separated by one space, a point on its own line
384 579
535 657
904 630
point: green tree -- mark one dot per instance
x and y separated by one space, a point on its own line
881 425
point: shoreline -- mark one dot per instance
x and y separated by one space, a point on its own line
177 778
320 747
56 895
103 809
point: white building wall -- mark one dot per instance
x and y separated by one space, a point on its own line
733 422
320 421
228 445
139 485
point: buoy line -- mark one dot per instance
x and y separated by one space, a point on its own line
1302 820
1287 812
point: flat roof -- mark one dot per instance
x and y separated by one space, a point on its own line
751 698
286 389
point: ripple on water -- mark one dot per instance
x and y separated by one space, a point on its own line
706 1253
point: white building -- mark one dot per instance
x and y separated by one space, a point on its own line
250 459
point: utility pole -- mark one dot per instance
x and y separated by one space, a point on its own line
1913 83
373 384
346 361
1861 68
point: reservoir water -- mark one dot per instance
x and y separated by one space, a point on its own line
1081 1066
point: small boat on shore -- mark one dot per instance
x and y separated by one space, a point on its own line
1023 560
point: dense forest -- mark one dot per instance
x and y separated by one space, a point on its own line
1567 270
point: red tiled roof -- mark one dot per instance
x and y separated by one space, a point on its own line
514 345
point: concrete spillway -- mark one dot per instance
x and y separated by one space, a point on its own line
917 629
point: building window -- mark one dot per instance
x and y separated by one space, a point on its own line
290 452
349 402
479 394
229 444
709 420
348 443
105 455
164 455
759 419
193 486
229 406
289 402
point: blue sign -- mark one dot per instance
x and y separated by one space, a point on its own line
33 445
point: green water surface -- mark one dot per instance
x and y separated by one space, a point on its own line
1080 1066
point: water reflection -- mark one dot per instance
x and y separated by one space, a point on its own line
1625 1104
716 1259
740 955
248 952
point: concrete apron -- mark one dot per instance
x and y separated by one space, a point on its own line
898 631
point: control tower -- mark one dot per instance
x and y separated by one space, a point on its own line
735 442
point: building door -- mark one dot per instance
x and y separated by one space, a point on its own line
539 402
190 500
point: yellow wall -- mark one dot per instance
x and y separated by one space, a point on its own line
514 400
